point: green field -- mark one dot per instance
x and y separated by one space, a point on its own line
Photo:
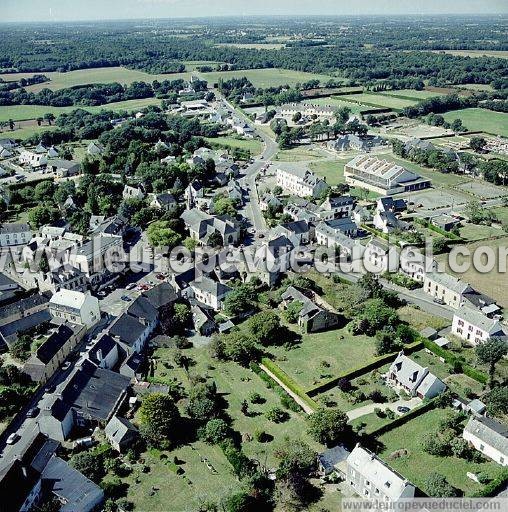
93 76
417 464
25 132
299 154
236 384
24 112
479 119
270 77
411 94
501 54
380 100
253 145
338 349
335 101
252 46
331 170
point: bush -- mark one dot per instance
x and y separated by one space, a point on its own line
277 415
256 398
215 431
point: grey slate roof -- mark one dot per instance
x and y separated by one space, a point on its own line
78 492
478 319
490 431
118 428
448 281
127 328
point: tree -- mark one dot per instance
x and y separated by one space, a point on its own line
182 316
236 346
41 215
215 431
292 311
203 404
328 426
160 234
264 327
49 117
477 144
44 191
437 486
277 415
159 418
497 401
90 464
490 352
296 117
239 300
215 239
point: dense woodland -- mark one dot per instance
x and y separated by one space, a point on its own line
354 49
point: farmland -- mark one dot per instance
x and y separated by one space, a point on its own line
380 100
23 112
479 119
252 145
269 77
93 76
411 94
336 102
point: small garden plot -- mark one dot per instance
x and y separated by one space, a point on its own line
403 451
299 154
323 355
254 146
473 232
419 319
330 170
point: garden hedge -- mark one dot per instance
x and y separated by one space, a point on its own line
493 487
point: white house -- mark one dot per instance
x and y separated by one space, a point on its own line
208 292
133 192
415 264
413 378
15 234
371 478
446 288
489 437
473 326
75 307
301 182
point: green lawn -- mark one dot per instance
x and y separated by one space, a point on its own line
411 94
186 491
472 232
93 76
321 356
298 154
380 100
335 101
501 213
26 132
236 384
417 465
331 170
270 77
419 319
253 145
479 119
24 112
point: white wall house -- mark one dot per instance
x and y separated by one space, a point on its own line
473 326
301 182
446 288
489 437
15 234
371 478
75 307
209 292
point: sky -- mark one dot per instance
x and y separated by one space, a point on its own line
71 10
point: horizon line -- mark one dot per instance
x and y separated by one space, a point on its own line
233 16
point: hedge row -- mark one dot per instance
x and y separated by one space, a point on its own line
493 487
454 361
361 370
289 382
401 420
437 229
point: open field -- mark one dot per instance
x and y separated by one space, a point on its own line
253 46
473 232
22 112
93 76
331 170
411 94
476 87
269 77
26 131
493 283
322 355
298 154
236 384
253 145
336 102
479 119
502 54
380 100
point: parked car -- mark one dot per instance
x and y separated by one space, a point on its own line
437 300
403 409
13 438
32 413
125 298
130 286
66 366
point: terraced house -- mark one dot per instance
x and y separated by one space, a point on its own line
301 182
